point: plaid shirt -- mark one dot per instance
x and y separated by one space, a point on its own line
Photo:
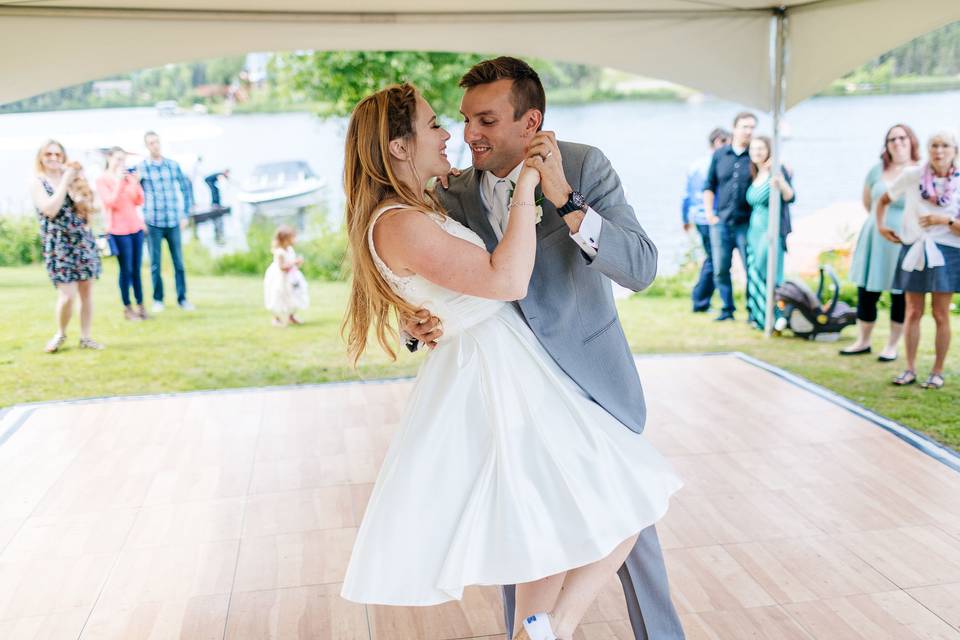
161 206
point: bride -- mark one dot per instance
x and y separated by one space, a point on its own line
503 470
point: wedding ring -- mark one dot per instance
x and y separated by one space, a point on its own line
549 153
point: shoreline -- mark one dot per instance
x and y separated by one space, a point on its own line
563 97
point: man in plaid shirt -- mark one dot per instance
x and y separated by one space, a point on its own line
167 198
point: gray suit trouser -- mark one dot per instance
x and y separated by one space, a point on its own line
644 579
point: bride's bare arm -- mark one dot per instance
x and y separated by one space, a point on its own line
409 242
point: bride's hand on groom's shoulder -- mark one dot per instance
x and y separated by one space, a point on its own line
444 181
543 146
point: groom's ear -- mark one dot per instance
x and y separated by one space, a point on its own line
532 121
398 149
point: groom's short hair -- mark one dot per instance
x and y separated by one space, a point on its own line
527 92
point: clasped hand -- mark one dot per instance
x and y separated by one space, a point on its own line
543 154
933 219
426 327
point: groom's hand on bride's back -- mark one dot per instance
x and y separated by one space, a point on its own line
424 327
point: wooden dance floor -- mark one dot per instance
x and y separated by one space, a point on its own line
231 515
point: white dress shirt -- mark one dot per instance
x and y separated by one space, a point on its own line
495 191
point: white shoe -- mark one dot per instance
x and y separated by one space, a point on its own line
157 306
186 305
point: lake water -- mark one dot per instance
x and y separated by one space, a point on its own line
830 144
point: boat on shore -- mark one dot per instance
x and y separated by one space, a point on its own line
279 187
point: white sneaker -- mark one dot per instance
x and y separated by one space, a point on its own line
186 305
157 306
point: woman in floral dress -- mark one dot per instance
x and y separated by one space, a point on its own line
69 250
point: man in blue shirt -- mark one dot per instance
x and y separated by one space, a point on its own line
167 199
725 192
693 213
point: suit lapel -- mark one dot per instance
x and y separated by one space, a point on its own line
476 212
478 218
550 220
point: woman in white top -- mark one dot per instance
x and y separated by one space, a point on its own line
929 260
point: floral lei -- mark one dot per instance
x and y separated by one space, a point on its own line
928 188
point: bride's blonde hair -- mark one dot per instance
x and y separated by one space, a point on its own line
369 181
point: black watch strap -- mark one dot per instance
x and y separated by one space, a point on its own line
574 202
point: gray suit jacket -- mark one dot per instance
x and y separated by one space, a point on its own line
569 304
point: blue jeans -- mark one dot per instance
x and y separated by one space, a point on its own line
725 238
172 236
130 257
703 290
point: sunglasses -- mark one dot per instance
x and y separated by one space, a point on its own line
897 139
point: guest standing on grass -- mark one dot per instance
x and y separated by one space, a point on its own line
168 197
693 214
758 233
929 260
69 251
725 192
875 257
120 193
284 287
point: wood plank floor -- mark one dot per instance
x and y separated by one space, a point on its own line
232 515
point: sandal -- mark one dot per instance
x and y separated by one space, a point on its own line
55 343
90 343
933 381
905 378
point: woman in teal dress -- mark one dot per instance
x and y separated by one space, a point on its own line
758 241
875 258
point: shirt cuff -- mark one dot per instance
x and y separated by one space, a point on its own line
588 237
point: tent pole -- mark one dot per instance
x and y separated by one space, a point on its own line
778 71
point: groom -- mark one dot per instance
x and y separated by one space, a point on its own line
588 235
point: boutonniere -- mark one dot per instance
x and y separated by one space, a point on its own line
537 199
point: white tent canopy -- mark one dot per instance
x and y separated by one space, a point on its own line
719 47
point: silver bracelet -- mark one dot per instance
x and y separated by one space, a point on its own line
522 204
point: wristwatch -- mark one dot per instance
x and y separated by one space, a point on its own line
575 201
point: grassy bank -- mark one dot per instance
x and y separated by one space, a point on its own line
228 342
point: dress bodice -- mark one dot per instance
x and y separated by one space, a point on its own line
878 187
758 196
457 311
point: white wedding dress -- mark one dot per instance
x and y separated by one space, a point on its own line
502 470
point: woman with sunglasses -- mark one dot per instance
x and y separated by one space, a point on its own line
69 249
875 257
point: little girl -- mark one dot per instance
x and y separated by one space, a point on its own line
284 287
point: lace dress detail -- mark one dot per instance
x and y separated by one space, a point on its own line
456 311
448 224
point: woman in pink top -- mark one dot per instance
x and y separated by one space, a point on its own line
120 192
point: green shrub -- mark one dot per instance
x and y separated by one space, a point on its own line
324 256
323 251
255 259
19 241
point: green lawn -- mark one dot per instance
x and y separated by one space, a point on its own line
228 342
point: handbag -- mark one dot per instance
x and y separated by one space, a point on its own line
107 245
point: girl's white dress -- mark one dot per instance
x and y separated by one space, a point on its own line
284 292
502 470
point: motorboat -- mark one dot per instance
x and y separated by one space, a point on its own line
167 108
278 187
